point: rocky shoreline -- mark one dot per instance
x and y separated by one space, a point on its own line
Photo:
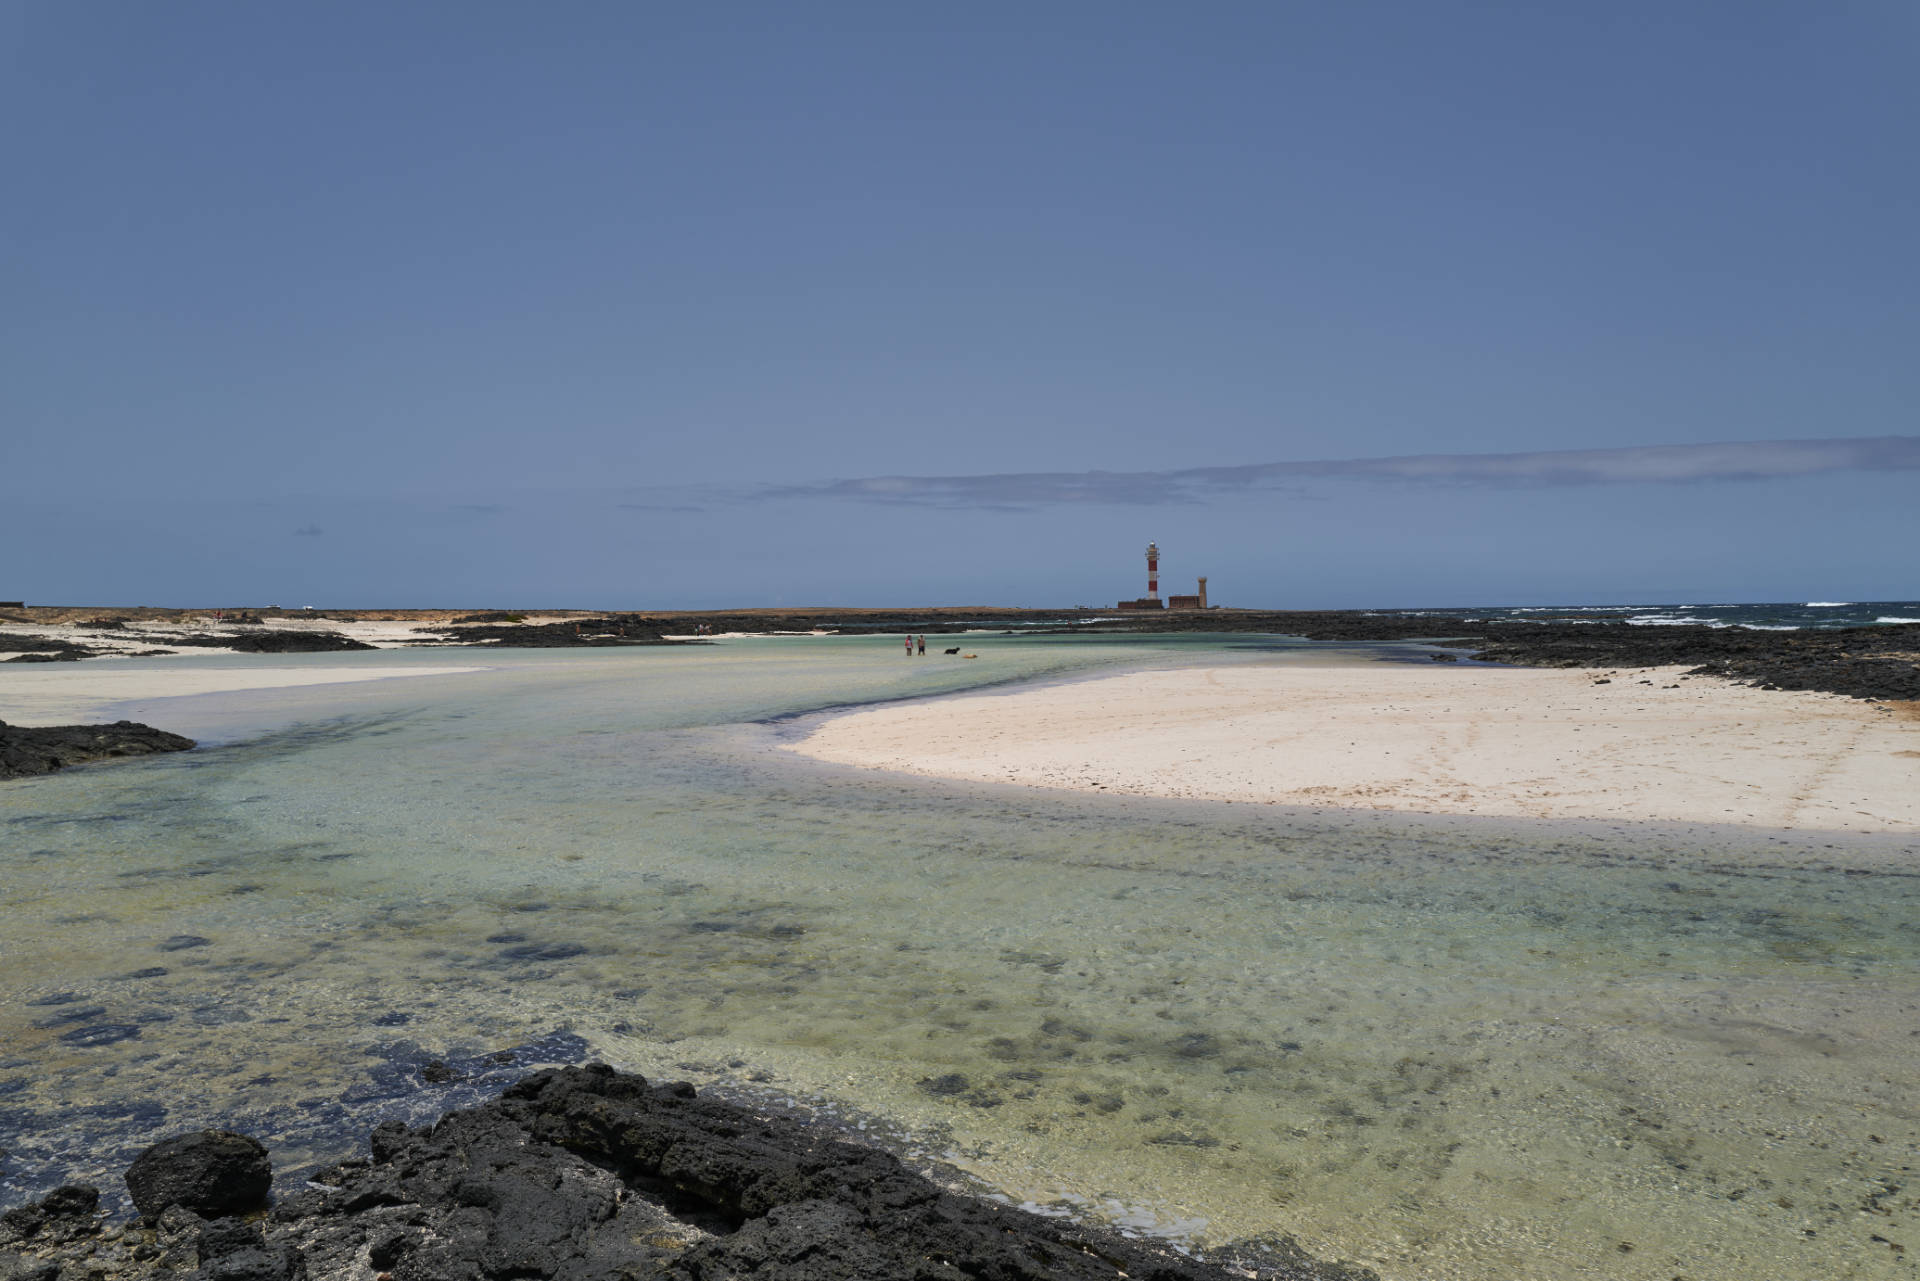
1881 663
1869 662
30 750
1861 662
586 1174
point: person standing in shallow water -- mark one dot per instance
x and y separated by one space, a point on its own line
909 646
923 645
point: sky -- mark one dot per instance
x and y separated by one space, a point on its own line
616 305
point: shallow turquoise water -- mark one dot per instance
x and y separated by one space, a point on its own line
1449 1047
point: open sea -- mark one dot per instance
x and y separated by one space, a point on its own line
1781 616
1447 1047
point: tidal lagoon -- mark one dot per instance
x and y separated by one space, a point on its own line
1445 1047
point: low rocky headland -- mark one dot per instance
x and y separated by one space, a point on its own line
586 1174
29 750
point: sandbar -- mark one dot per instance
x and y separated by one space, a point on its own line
1648 744
47 695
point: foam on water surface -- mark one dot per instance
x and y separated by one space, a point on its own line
1449 1048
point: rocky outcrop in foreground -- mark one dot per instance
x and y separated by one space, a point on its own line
580 1174
27 750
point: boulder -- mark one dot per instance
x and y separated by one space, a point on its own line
213 1173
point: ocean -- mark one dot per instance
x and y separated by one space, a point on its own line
1780 616
1447 1047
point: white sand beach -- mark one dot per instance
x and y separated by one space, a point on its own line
1646 744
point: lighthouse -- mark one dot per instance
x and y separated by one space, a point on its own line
1152 599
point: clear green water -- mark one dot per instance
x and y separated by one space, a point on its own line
1450 1048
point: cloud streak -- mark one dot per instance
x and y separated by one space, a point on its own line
1649 464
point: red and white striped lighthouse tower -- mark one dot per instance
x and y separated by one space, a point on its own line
1153 571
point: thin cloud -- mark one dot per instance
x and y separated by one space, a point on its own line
308 531
685 500
1649 464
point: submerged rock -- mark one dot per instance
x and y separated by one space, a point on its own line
28 750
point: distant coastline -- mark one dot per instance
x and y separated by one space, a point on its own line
1865 650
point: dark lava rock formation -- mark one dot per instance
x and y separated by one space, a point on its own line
608 629
866 622
43 749
212 1173
42 649
1861 662
264 641
583 1174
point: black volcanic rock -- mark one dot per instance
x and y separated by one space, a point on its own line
606 630
45 645
265 641
269 642
230 1250
66 1213
587 1174
1861 662
212 1173
27 750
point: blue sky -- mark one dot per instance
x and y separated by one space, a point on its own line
640 306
